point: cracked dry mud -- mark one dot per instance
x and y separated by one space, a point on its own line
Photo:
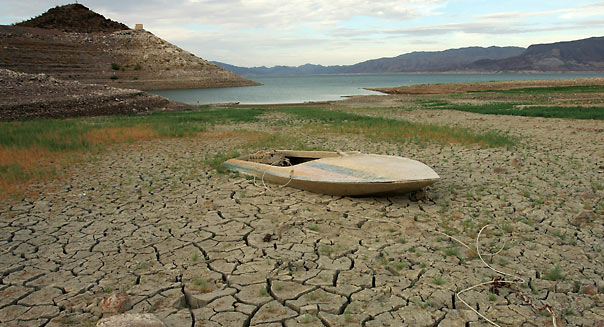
191 246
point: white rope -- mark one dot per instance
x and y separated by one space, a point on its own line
458 294
266 188
516 279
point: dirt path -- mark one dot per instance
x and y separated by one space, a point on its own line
149 225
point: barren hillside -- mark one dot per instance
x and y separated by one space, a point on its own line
586 55
123 58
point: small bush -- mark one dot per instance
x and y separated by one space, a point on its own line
138 66
438 280
554 274
115 66
114 77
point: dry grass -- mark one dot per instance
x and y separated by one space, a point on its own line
20 167
40 150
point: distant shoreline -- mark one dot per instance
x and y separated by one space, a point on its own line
437 73
320 88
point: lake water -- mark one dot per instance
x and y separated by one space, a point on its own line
299 89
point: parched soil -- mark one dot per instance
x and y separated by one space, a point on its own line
151 225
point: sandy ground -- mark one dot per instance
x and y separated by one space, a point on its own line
148 225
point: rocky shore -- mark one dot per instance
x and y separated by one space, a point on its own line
27 96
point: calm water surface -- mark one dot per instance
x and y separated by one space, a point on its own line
299 89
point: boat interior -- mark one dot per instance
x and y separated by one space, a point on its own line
286 158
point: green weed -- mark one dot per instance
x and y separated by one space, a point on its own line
492 297
395 130
438 280
325 249
313 227
550 89
398 265
554 274
453 251
516 109
201 284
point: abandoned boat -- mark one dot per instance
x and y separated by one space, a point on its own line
336 173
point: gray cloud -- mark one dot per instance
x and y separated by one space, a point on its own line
273 14
256 32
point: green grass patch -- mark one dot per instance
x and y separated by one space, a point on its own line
395 130
71 134
433 103
438 280
514 109
548 90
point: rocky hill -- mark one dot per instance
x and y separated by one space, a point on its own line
63 44
74 18
579 55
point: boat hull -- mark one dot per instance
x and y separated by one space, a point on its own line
343 174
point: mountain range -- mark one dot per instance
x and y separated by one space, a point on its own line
586 55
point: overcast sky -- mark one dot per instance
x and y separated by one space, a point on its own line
330 32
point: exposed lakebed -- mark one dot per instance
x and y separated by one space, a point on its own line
193 247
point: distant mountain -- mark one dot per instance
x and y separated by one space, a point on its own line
307 69
585 55
579 55
437 61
